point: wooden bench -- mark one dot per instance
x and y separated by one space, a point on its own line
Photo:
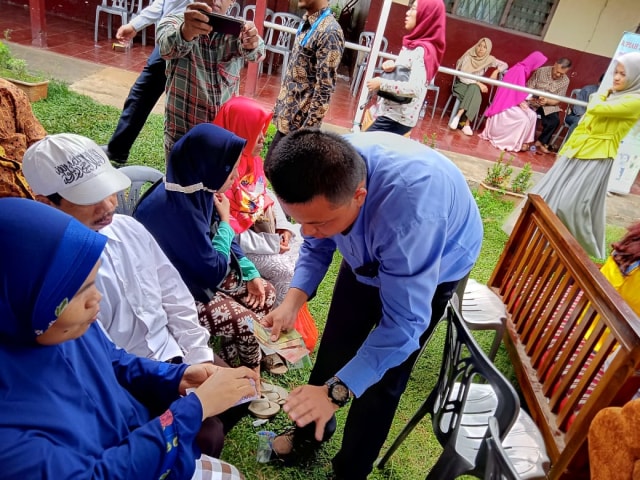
564 321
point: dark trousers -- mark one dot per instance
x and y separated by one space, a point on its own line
549 124
385 124
143 96
355 310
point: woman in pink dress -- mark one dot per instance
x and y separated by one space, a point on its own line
511 123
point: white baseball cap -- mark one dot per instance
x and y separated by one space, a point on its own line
72 166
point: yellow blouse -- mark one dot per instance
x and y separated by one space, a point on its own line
628 286
603 126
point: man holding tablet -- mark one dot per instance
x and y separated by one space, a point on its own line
203 65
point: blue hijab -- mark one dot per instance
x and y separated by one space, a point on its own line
67 410
40 272
178 213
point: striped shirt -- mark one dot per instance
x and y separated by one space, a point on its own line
201 75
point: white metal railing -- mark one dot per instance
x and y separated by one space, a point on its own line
451 71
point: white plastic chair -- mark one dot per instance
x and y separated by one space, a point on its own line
279 42
249 15
366 40
137 12
432 87
456 104
483 310
120 8
139 176
564 127
234 10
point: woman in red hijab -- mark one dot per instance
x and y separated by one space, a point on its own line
422 51
264 233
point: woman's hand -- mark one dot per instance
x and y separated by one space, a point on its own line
483 88
255 293
285 238
374 84
224 388
388 66
194 375
524 105
221 203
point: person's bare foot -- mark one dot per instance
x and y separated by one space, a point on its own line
544 149
525 147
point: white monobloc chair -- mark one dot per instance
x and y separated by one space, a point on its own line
139 175
366 40
120 8
279 42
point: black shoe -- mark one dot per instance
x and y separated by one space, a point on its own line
116 160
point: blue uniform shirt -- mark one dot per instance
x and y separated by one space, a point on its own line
421 223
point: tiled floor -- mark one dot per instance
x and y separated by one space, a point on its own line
75 39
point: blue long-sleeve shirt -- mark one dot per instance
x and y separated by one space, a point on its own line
421 223
84 409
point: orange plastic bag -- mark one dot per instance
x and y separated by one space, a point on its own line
306 326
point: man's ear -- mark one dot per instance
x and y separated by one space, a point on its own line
45 200
360 195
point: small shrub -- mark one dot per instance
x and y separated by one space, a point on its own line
268 138
522 181
430 142
499 174
15 68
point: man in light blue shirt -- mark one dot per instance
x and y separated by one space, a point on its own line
408 228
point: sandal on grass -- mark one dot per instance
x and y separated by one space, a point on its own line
264 408
274 364
275 393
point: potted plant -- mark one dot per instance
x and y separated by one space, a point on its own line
15 71
522 181
498 180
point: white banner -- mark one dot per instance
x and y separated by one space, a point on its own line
627 164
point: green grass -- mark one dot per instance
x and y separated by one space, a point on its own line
65 111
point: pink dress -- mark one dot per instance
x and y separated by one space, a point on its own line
511 128
508 125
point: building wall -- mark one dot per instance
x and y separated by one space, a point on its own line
593 26
507 45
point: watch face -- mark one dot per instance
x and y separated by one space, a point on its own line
340 392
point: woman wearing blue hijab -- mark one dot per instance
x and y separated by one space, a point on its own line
179 213
73 405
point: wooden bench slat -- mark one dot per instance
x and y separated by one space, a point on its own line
565 323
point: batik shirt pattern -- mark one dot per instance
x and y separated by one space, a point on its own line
311 75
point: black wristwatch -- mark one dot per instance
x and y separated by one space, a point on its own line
338 392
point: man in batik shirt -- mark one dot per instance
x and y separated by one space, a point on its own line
311 74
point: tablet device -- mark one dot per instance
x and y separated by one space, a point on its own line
224 24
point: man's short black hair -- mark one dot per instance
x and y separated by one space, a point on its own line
55 198
309 163
564 62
